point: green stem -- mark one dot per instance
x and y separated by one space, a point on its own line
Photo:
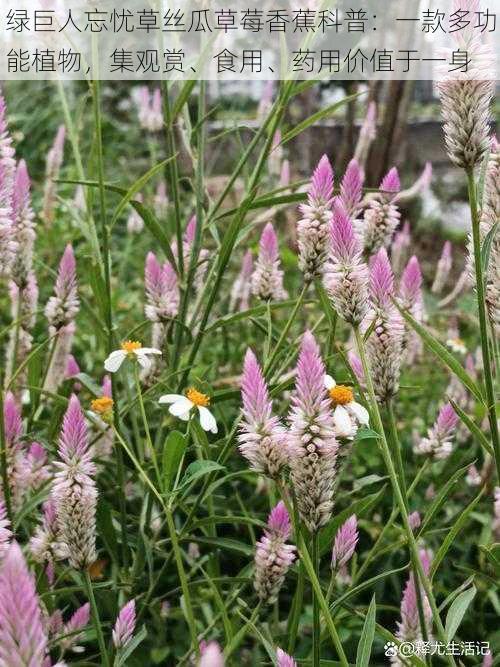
183 579
386 455
277 349
396 446
293 625
96 620
3 460
316 621
151 448
240 635
483 322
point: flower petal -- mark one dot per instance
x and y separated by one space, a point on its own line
114 361
329 382
170 398
343 422
147 350
360 412
207 420
182 406
144 361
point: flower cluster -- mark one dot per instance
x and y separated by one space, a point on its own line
381 217
267 278
439 441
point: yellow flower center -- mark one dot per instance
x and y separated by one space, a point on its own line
129 346
197 397
341 395
102 405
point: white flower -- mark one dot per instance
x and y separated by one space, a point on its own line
130 349
456 345
181 406
347 414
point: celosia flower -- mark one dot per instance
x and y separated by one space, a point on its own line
150 109
443 269
74 492
285 174
421 184
24 226
473 477
5 532
17 467
313 231
62 308
312 443
53 167
130 350
8 244
267 278
439 440
273 556
409 629
211 655
44 544
385 343
410 287
490 215
37 470
266 100
283 659
7 152
181 406
23 641
71 631
345 543
262 439
351 189
382 216
242 287
347 414
414 520
488 660
399 247
346 275
162 290
357 367
125 625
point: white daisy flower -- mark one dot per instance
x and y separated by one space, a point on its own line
456 345
132 350
347 414
181 406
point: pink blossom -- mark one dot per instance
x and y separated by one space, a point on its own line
5 532
345 543
125 625
267 278
284 660
211 655
351 189
443 269
439 440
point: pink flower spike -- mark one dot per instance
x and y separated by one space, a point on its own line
414 520
22 637
107 387
488 660
285 174
62 308
447 419
72 367
267 278
125 625
74 436
391 183
357 367
77 622
381 278
351 188
190 231
5 532
12 420
411 283
345 245
321 188
283 659
345 543
269 243
279 521
211 655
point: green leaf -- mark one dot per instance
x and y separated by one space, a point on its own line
367 636
473 427
173 451
457 611
366 434
486 247
106 529
492 557
130 647
316 117
199 469
443 354
224 543
454 530
182 98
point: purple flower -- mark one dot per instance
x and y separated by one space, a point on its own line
410 288
439 441
414 520
284 660
346 275
357 367
443 269
162 290
313 229
72 368
125 625
382 217
351 189
74 492
273 556
262 438
242 287
211 655
313 447
345 543
22 637
5 532
44 545
267 278
71 630
391 183
409 627
385 343
53 166
62 308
